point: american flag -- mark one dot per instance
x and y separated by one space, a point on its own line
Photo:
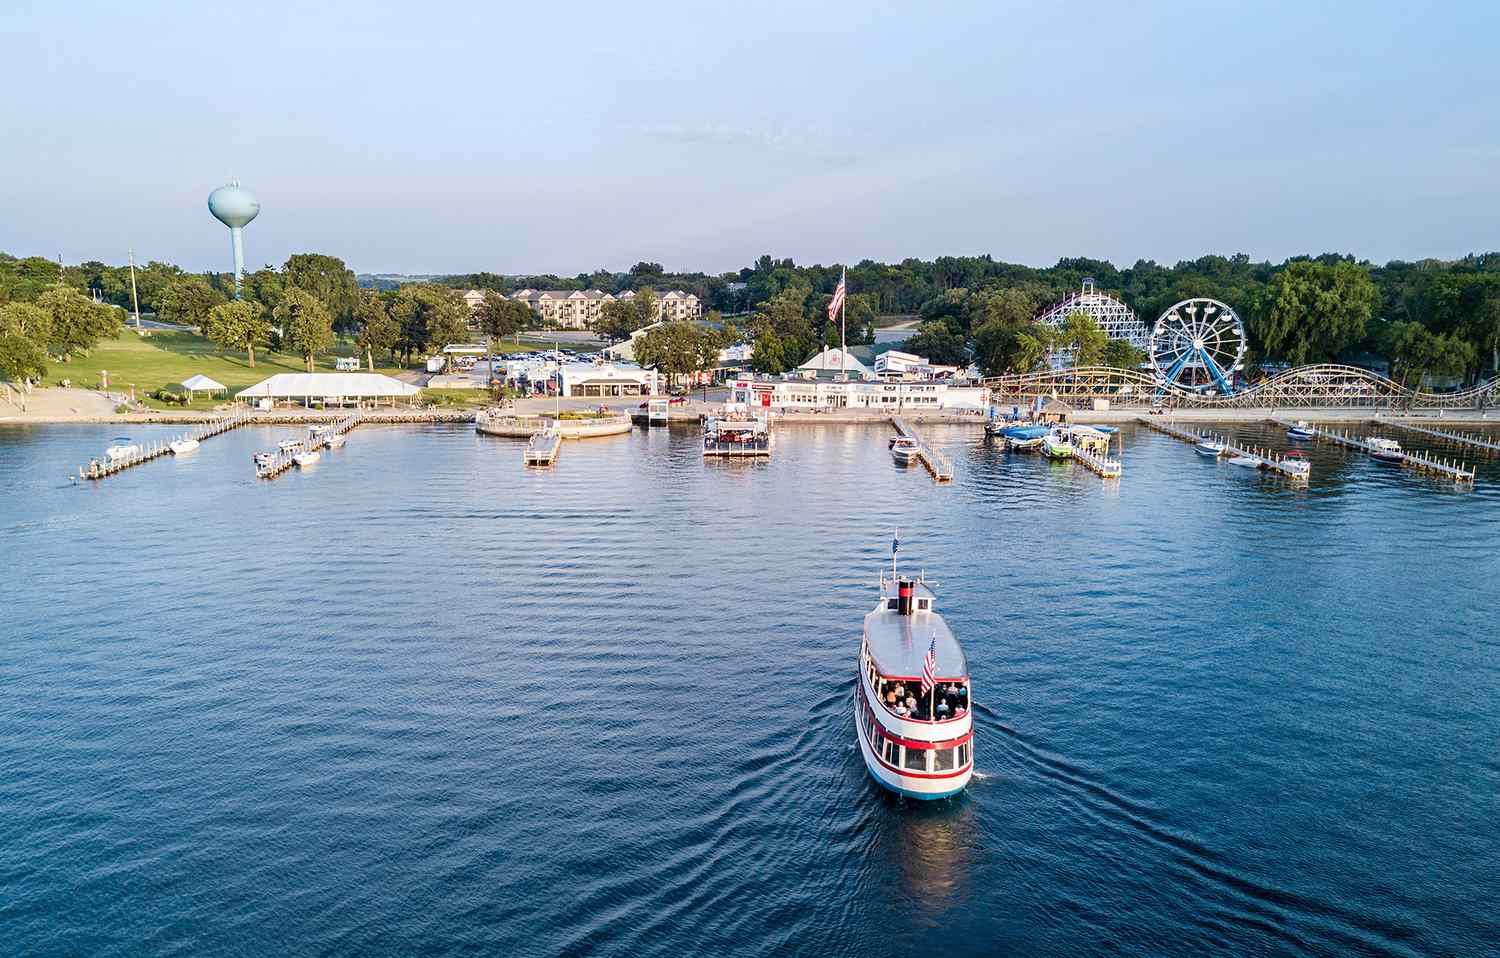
929 667
838 296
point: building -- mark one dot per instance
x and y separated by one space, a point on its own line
473 299
328 389
606 380
833 362
566 308
626 350
671 305
791 395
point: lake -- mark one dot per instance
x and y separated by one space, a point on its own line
418 699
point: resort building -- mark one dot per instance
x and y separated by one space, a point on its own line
579 308
473 299
673 304
327 389
792 394
606 380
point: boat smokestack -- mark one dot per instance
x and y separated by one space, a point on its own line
903 597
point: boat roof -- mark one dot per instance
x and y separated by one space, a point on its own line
898 643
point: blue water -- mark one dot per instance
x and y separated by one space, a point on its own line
421 700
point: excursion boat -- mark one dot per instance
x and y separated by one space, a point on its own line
180 446
916 741
1386 450
1301 429
736 434
122 448
903 450
1057 445
1209 447
305 459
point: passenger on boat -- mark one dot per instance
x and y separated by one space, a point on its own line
942 710
901 710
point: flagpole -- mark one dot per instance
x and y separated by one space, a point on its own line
932 692
843 314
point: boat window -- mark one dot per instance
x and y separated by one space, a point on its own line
923 604
891 604
892 753
916 759
942 759
963 755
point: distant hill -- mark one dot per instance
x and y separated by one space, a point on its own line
389 281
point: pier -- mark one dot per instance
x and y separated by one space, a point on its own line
1291 469
285 460
1442 468
936 462
1463 439
102 468
1092 449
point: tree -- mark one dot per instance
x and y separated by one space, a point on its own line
646 269
1317 310
939 343
28 320
428 316
187 301
1122 354
377 330
21 358
1083 336
1032 347
238 324
1415 351
500 316
617 320
77 322
306 323
769 353
328 279
646 311
672 348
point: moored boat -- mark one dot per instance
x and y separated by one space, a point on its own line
1245 462
336 440
1209 447
1057 445
542 447
264 459
290 445
903 450
1301 429
912 700
122 448
1386 450
736 433
305 459
1024 437
180 446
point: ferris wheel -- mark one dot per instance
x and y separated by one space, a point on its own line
1198 344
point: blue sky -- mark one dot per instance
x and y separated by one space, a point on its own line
452 136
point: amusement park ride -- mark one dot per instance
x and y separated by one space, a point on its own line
1197 353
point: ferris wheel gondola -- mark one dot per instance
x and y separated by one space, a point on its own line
1198 344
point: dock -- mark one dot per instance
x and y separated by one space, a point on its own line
1477 443
105 467
1288 468
1441 468
936 463
285 460
542 449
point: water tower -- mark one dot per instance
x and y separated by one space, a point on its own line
234 206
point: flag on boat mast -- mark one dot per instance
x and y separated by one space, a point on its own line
895 545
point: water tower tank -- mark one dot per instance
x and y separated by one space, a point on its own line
234 206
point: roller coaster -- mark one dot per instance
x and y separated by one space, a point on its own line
1305 387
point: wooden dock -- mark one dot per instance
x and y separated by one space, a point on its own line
1442 468
285 460
1478 443
1288 468
1101 465
105 467
936 462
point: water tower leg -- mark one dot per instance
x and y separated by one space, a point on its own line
238 236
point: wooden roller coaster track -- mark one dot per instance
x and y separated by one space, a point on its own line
1306 387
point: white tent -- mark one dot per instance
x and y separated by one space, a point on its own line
329 388
202 384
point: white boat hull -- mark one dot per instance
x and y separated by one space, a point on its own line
305 459
926 786
183 445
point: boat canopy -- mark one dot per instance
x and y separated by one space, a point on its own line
898 643
1025 432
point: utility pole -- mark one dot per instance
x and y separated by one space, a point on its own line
135 301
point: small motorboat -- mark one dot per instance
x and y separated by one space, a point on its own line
305 459
1296 463
1057 445
336 441
1386 450
180 446
903 450
122 448
1210 448
264 459
290 445
1301 429
1024 437
1245 462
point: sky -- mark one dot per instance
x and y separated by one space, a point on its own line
455 136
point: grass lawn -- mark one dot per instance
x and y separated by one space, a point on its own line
160 357
457 397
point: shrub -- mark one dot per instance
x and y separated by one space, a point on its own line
174 392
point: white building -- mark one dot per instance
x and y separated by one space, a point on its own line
791 395
833 362
328 389
473 299
606 380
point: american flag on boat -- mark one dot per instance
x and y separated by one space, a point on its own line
839 292
929 667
